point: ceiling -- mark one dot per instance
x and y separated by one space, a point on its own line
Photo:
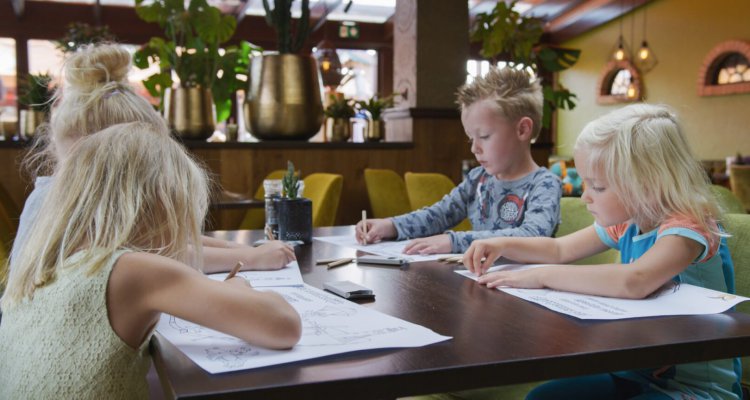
564 19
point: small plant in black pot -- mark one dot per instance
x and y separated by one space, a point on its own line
295 213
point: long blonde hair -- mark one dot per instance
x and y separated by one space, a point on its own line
127 187
646 159
515 93
95 94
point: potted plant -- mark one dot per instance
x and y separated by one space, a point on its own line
79 34
374 108
284 98
208 75
36 92
507 35
338 112
294 212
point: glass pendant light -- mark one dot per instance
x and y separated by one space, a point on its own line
646 59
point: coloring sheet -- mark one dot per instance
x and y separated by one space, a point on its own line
672 299
387 248
330 325
287 276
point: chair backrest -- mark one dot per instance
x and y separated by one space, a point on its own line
739 179
738 225
573 217
427 188
325 192
255 218
728 201
387 193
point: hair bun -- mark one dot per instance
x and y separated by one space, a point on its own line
95 66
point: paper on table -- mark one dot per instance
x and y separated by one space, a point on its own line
288 276
330 325
672 299
386 248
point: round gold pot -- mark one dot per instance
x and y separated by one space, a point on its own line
284 97
338 129
375 131
190 112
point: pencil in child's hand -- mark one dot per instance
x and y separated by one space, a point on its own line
269 233
364 226
234 270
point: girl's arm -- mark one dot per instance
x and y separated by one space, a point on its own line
535 250
668 257
221 255
142 286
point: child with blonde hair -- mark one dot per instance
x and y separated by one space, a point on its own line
652 201
96 94
507 195
88 285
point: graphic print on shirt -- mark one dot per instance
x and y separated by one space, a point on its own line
510 209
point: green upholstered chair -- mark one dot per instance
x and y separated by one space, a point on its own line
325 192
738 225
255 218
387 193
573 217
739 180
728 201
427 188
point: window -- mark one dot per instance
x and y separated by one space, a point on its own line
726 69
8 87
360 71
620 82
477 68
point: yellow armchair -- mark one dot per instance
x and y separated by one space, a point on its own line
427 188
325 192
387 193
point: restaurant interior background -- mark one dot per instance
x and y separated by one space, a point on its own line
421 48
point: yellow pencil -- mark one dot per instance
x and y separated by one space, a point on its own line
340 262
234 270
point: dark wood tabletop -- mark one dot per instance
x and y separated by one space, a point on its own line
497 339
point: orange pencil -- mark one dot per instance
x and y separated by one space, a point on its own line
364 226
234 270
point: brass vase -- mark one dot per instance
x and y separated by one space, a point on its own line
284 97
30 120
338 129
375 131
190 112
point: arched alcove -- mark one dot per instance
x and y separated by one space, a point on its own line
726 69
619 82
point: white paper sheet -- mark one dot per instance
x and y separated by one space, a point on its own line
387 248
672 299
290 275
330 325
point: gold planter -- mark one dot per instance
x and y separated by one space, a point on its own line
29 122
375 131
338 129
190 112
284 98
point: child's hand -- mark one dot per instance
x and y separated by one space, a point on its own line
377 231
481 254
527 279
270 256
429 245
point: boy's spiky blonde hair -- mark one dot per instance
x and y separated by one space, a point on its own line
516 94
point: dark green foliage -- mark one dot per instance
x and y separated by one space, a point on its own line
339 107
193 37
506 35
36 91
280 19
290 181
80 34
375 105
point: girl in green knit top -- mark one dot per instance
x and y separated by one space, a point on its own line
101 264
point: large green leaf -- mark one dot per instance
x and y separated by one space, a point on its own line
556 59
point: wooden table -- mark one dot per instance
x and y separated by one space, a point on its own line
497 339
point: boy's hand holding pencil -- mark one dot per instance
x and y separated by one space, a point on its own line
370 231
